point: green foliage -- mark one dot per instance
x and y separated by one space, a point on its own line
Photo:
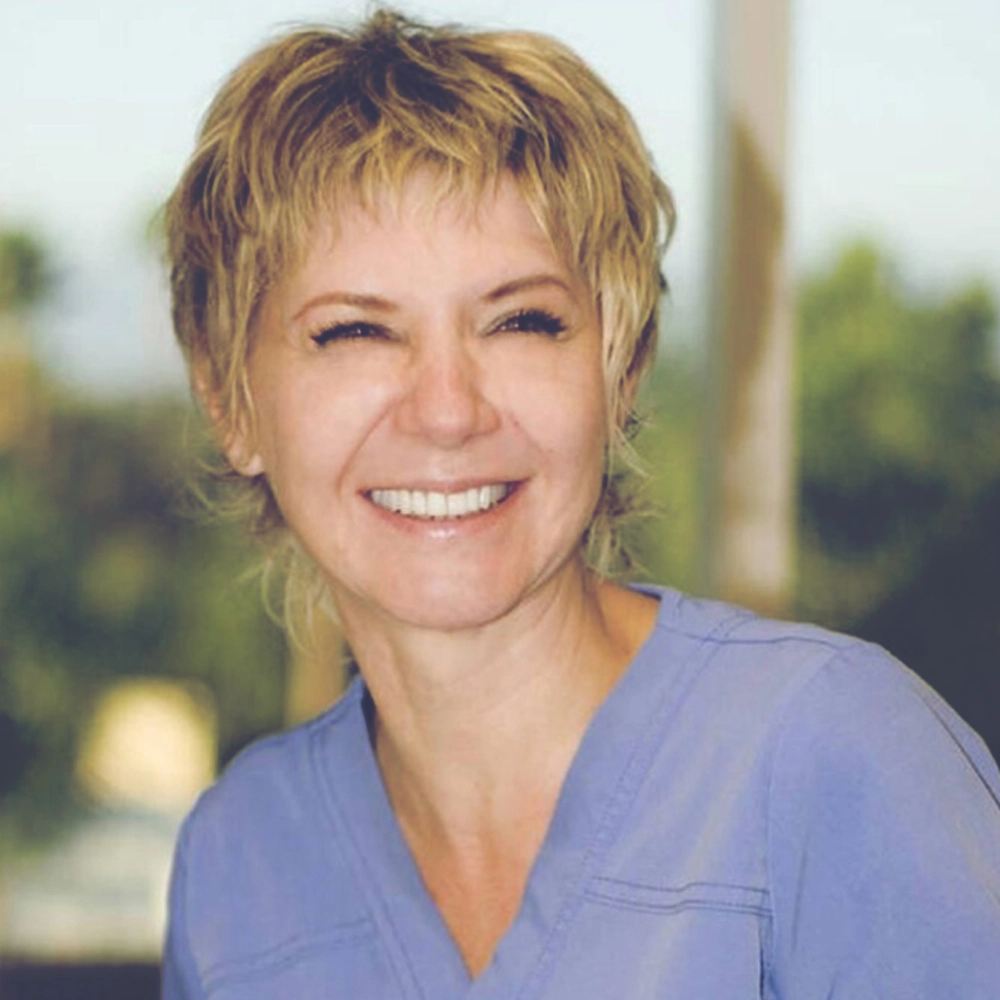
665 543
103 578
24 271
899 437
899 418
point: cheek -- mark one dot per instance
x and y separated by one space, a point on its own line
576 410
310 430
566 417
562 384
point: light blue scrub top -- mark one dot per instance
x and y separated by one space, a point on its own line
757 810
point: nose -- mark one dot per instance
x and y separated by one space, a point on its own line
445 401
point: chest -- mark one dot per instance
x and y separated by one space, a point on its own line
477 915
649 885
675 907
661 900
625 942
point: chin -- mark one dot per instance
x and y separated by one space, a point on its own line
445 603
450 608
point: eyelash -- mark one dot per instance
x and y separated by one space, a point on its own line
524 321
532 321
347 331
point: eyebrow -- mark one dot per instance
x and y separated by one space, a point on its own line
524 284
348 299
377 303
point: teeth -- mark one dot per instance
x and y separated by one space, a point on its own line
431 504
437 505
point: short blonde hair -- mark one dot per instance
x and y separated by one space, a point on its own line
326 115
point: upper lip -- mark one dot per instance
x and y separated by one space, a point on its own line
449 486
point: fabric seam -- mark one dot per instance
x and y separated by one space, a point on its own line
288 953
329 798
778 741
605 831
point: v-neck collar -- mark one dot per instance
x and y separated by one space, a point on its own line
605 773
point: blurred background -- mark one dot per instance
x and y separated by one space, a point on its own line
135 657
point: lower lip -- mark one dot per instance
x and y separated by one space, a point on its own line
450 527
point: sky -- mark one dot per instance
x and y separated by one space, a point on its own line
894 134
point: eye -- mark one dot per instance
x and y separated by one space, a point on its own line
531 321
348 331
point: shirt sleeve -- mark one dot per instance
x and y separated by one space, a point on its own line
179 978
883 842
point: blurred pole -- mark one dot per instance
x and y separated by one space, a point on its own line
749 450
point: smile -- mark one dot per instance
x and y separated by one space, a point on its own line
433 505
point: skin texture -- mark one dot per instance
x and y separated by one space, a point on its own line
439 346
431 394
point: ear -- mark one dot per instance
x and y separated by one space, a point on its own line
242 457
233 435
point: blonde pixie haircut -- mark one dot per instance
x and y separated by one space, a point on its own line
324 116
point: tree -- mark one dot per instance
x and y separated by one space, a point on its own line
24 271
104 577
665 541
899 418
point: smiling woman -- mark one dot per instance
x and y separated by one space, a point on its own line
416 276
316 128
415 361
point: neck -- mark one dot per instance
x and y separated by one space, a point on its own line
475 730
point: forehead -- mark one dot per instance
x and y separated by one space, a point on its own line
425 233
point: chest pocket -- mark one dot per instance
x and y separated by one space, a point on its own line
693 896
702 940
343 964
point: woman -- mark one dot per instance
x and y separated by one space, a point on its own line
415 275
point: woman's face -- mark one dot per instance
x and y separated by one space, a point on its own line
431 409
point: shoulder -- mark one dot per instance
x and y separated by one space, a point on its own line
259 867
799 675
883 839
823 704
269 789
715 696
869 757
880 813
864 709
747 670
878 808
